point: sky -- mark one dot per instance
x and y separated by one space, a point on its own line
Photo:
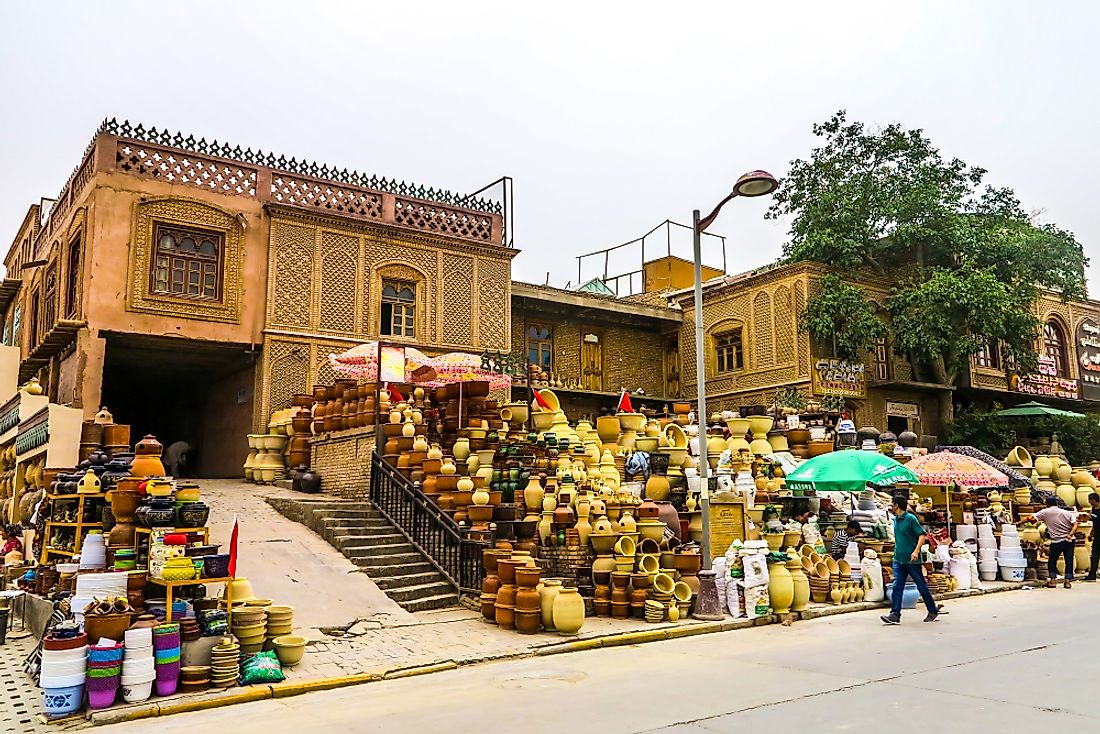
610 117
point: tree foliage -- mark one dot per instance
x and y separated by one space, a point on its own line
842 315
964 263
1079 437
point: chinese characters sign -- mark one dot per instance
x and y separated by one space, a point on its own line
1088 358
1045 382
837 377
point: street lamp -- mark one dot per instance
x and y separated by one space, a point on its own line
753 183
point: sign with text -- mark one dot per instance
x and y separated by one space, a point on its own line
727 524
1045 382
837 377
903 410
1088 358
391 364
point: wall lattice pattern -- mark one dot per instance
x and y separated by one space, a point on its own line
289 372
320 195
292 247
444 221
802 338
784 326
185 169
762 327
493 277
458 299
339 267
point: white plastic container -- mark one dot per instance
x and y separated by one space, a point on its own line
1013 573
136 692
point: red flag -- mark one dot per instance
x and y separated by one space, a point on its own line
395 396
233 550
542 401
625 405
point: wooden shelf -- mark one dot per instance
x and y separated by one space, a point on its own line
52 524
56 552
147 531
188 582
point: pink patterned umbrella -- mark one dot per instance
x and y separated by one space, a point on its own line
362 361
944 467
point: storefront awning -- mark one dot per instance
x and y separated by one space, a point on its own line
55 341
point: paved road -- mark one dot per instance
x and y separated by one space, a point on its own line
1023 661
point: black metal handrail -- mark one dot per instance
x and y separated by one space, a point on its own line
433 532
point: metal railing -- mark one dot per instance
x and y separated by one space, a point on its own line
433 532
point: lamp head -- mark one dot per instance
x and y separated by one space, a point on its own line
755 183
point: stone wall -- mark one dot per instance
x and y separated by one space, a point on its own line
343 460
633 357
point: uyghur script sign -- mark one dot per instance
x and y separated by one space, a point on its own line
1088 357
1046 382
837 377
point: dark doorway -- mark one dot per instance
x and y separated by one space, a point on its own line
186 390
896 424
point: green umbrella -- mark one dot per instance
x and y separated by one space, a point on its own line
1035 410
849 471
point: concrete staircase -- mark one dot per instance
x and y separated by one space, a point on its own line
369 541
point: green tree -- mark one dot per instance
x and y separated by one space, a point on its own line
843 316
964 262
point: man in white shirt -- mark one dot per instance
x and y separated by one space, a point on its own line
1061 527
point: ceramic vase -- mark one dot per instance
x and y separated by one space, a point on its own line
801 585
447 468
547 594
780 588
461 449
568 611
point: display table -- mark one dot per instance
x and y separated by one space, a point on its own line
170 586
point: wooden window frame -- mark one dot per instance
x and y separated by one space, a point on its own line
721 357
548 343
599 334
1059 344
407 309
208 265
988 357
72 275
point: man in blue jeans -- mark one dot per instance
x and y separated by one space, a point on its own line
909 539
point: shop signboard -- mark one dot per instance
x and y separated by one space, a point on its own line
1088 358
837 377
391 362
902 410
1045 382
727 524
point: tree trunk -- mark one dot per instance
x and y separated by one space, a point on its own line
946 397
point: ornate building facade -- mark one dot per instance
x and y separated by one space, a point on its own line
194 287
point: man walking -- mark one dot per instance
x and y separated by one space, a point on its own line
909 540
1094 503
1061 525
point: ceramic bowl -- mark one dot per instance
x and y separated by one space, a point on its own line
289 649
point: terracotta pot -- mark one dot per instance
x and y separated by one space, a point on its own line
547 594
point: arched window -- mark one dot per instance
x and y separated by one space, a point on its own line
187 263
1054 347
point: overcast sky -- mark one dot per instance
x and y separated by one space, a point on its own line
611 117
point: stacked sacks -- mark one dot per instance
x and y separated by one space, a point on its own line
104 673
138 670
166 652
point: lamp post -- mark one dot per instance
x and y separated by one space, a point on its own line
753 183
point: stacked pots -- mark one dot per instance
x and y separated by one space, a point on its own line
138 670
63 673
166 658
104 674
528 604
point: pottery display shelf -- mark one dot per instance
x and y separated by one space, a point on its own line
171 586
80 527
143 535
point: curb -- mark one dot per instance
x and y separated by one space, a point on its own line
659 634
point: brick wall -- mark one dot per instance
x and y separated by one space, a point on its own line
633 357
342 458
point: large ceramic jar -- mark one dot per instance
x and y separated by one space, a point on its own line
461 449
1043 465
667 514
568 611
548 592
608 428
447 468
801 585
1067 494
780 588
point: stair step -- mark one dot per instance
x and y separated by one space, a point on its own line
399 562
422 591
431 602
410 579
347 513
347 542
370 551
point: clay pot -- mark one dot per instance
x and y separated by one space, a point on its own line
568 611
780 588
656 487
648 510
